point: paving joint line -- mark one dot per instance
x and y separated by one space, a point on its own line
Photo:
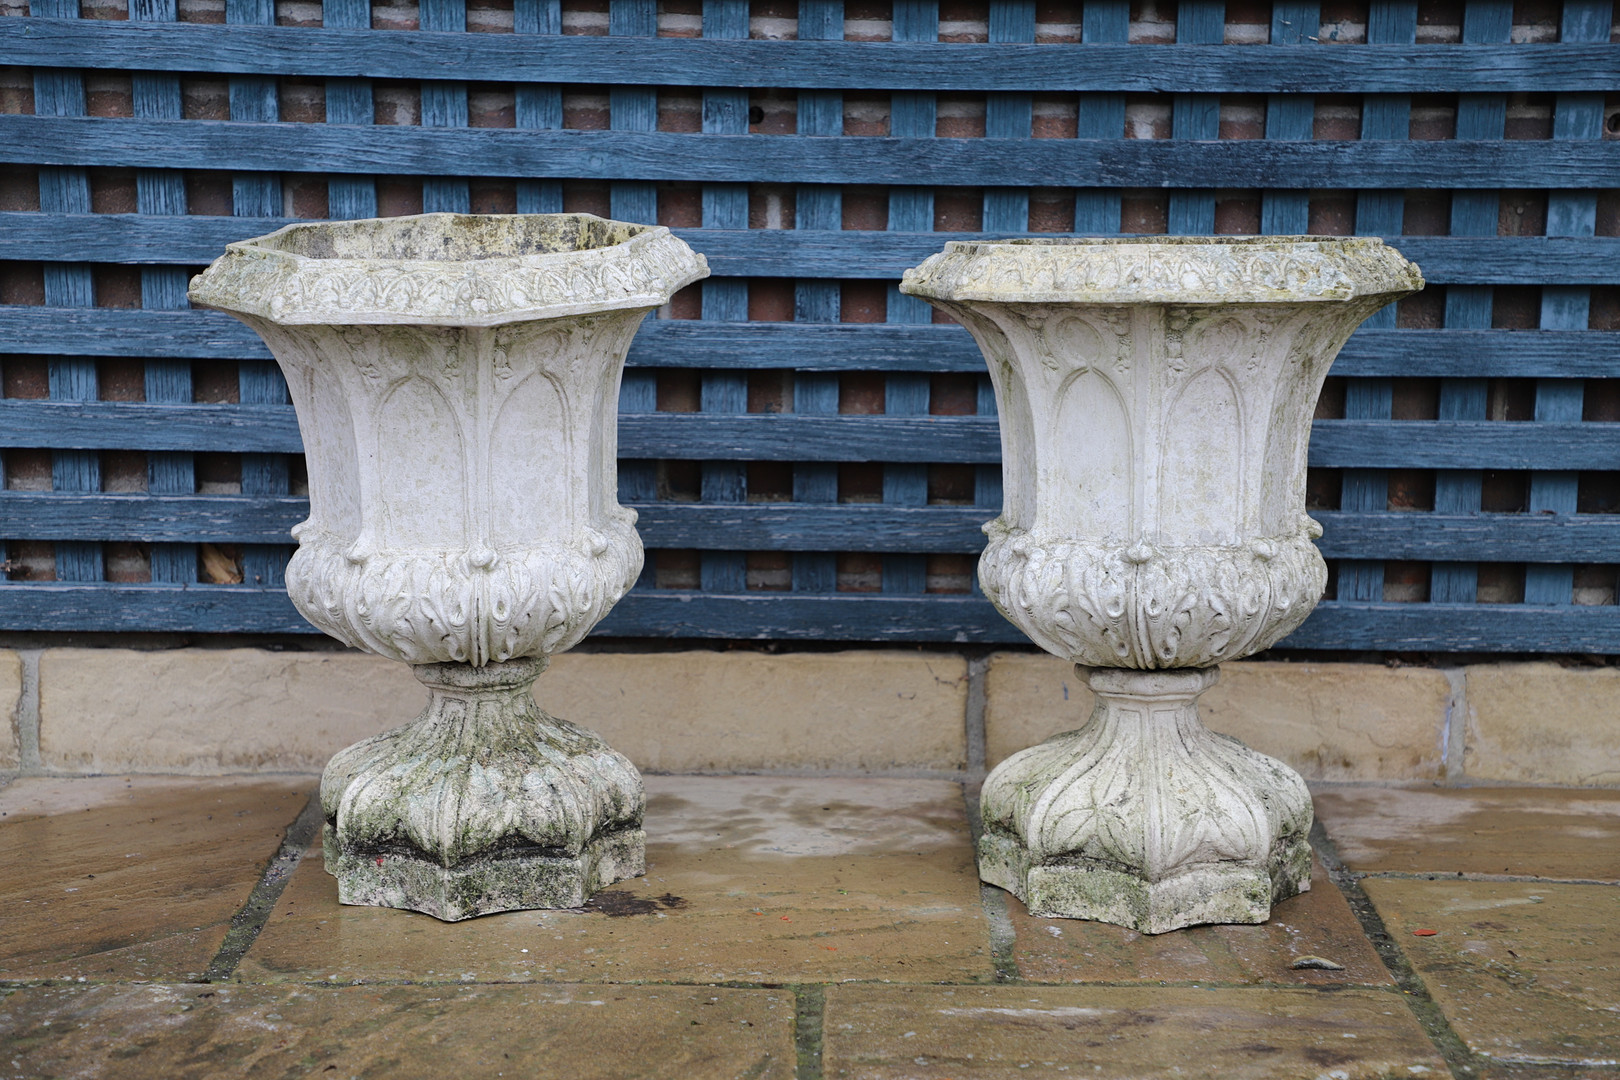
1003 936
809 1017
249 921
1447 1043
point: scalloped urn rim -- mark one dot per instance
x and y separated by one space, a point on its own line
614 265
1181 270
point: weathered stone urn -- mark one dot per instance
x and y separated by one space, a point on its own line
456 380
1155 400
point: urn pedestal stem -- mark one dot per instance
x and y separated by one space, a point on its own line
1155 399
1145 817
482 803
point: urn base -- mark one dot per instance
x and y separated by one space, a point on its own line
483 803
1144 817
1221 893
513 880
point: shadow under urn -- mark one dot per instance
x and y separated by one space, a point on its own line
456 379
1155 399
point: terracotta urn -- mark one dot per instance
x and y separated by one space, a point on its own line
456 381
1155 398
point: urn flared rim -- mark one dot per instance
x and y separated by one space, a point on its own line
1182 270
448 270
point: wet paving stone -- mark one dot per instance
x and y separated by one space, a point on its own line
1122 1033
1525 971
1307 930
132 878
178 1032
749 879
1528 832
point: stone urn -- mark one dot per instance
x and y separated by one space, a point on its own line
1155 399
456 380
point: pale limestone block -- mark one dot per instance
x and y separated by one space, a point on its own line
1540 723
213 710
1155 397
1328 721
11 671
743 711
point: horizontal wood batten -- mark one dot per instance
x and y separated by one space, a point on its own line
798 159
1366 444
806 253
259 519
1451 628
691 343
829 65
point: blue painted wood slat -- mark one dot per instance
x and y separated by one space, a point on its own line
912 115
818 207
538 106
626 155
1290 116
349 101
1473 213
444 105
163 288
1569 213
725 206
60 92
1384 118
1455 628
1196 116
1101 115
810 63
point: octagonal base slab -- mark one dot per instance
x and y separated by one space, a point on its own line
1144 817
483 886
1222 893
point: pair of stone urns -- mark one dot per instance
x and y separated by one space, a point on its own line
456 380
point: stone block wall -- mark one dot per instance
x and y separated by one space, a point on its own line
896 712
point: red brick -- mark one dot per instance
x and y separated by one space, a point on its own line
863 301
951 485
205 98
680 111
949 573
1332 214
770 571
21 283
1425 311
770 300
866 208
680 390
772 206
398 198
108 94
958 209
25 376
491 107
688 303
112 191
214 383
680 206
861 393
859 571
1144 212
953 394
208 193
769 481
677 569
1237 213
493 196
117 286
309 196
1428 213
1516 307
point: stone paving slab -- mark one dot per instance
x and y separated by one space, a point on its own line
132 878
750 879
1526 832
169 1032
1525 971
1121 1033
1316 924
